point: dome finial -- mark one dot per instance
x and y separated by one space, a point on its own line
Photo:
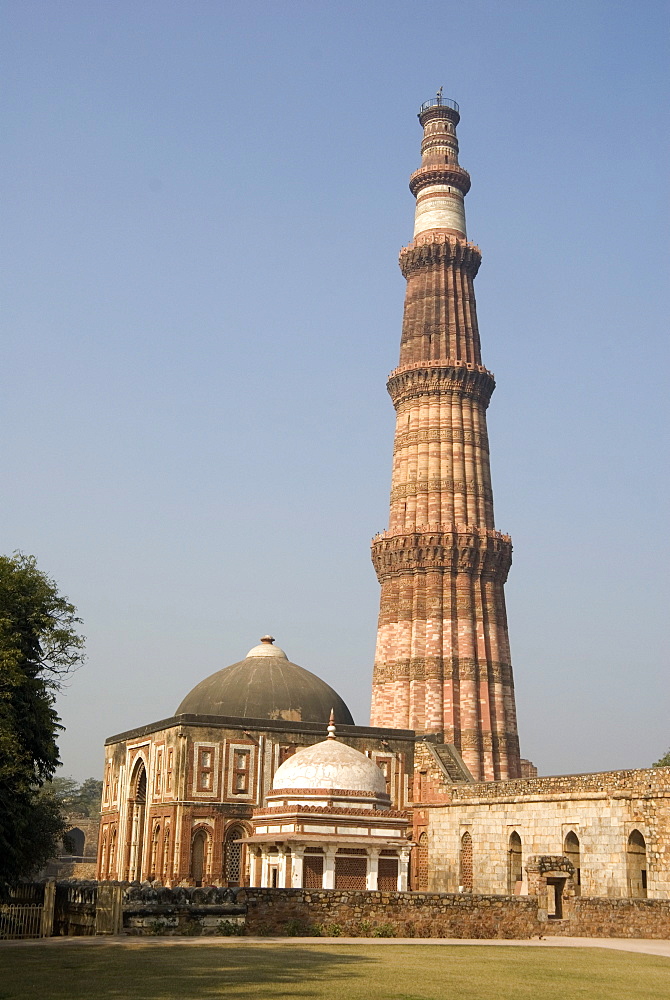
331 725
268 638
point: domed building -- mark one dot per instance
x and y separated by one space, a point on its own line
266 685
179 795
327 823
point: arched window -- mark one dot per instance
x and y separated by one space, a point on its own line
572 853
111 858
140 783
166 852
421 875
103 856
636 865
75 841
514 864
155 866
232 857
465 874
198 856
137 804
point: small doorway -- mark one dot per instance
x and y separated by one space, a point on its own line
555 888
76 840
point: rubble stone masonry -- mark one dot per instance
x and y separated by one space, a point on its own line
601 810
461 915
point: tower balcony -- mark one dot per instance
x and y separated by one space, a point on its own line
439 173
439 102
439 107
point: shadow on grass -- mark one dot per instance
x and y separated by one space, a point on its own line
146 973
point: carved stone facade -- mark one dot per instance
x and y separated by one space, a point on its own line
442 664
328 823
178 796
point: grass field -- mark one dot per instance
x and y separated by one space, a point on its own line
141 971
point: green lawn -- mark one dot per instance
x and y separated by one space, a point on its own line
136 970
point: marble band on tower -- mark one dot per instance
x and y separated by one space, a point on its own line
442 663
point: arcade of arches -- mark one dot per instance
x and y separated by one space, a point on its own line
611 832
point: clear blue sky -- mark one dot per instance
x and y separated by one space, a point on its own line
203 204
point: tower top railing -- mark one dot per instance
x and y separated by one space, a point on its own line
439 102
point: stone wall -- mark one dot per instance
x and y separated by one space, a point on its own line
430 783
306 912
619 918
182 911
75 870
323 912
602 810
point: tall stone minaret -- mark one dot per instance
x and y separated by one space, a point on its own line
442 663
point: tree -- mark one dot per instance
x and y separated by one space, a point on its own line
76 799
39 645
664 761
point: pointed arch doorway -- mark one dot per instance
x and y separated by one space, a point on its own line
136 810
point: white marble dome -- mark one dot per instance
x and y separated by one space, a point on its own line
331 765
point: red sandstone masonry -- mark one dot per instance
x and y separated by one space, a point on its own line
442 660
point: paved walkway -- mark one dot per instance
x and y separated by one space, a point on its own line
642 946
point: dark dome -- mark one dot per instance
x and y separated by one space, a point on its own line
266 685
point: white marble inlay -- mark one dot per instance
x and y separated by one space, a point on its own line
438 207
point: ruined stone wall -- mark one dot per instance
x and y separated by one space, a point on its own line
330 912
84 908
619 918
600 809
429 783
418 914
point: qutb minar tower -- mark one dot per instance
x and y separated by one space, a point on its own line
442 663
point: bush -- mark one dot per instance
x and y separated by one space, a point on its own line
192 929
298 928
384 931
230 928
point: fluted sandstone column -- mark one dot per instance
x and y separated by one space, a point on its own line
442 663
